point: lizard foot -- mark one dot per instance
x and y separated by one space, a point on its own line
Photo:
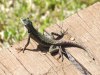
64 32
20 49
60 54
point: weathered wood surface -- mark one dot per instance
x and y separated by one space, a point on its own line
84 26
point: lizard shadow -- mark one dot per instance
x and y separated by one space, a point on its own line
39 48
46 49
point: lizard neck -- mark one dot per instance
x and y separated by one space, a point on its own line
31 28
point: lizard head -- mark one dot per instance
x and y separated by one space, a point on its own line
25 21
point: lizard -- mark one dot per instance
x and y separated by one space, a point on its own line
44 41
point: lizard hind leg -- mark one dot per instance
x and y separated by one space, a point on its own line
60 53
61 33
53 49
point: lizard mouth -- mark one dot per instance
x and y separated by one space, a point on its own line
22 20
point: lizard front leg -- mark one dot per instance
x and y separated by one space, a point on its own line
28 40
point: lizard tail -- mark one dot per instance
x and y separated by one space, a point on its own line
69 43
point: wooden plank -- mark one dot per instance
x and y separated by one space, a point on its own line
31 60
38 63
94 10
93 26
84 28
81 35
3 70
96 6
62 66
10 65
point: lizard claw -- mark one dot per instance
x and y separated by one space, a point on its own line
64 32
20 49
60 26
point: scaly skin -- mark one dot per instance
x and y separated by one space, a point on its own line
48 42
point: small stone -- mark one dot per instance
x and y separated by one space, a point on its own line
72 39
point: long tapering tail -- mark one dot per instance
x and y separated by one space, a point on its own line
69 43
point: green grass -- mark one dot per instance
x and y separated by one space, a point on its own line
43 13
